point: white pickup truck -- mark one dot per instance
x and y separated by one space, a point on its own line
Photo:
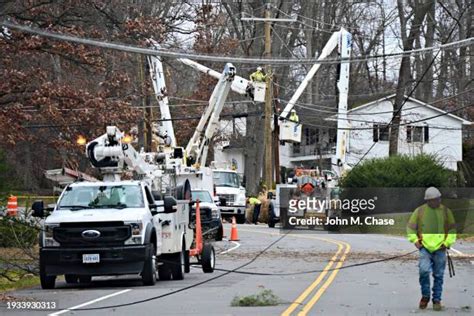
113 228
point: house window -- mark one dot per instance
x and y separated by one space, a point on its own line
381 132
311 136
418 134
296 148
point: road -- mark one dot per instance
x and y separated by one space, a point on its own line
385 288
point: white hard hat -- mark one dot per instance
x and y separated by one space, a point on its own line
432 193
259 68
293 110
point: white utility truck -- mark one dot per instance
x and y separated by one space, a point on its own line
117 226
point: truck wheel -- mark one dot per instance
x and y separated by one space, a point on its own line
187 263
149 268
208 258
164 270
240 219
47 281
177 268
220 233
71 278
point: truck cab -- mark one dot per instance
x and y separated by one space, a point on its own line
113 228
231 194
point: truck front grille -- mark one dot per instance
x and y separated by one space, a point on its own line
206 214
229 198
70 234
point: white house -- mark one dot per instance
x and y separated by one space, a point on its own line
423 129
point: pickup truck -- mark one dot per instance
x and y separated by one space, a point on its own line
113 228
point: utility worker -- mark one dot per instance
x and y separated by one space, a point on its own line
293 116
433 230
256 208
258 76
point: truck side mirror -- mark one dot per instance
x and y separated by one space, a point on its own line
170 204
38 209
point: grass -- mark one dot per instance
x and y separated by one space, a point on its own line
15 279
264 298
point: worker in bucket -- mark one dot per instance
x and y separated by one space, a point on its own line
432 229
294 117
258 75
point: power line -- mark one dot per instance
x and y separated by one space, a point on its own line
215 58
186 287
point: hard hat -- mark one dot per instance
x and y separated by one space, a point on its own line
259 68
432 193
293 110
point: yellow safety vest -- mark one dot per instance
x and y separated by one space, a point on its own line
434 228
258 76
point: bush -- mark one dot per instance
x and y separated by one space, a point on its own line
17 233
399 172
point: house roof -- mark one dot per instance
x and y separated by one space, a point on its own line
389 97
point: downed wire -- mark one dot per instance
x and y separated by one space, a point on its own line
183 288
319 270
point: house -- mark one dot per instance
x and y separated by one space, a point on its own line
423 129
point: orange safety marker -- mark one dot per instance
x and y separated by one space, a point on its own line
12 206
234 236
198 250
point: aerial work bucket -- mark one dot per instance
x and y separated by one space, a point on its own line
290 132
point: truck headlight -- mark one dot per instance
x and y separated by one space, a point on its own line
48 240
137 232
240 199
215 213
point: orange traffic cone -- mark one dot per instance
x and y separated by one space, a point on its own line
234 236
12 206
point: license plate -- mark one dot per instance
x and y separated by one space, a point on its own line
90 258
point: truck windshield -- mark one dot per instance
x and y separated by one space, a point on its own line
203 196
226 179
118 196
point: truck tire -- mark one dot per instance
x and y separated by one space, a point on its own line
187 263
220 233
47 281
71 278
164 270
240 219
208 258
177 268
149 268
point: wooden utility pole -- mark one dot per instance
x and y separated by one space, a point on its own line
267 139
276 134
268 174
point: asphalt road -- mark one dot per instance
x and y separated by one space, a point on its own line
386 288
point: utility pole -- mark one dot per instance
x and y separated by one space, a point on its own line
268 168
276 134
267 139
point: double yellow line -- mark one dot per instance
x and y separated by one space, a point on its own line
342 248
310 289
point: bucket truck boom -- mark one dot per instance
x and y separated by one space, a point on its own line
197 148
166 131
343 41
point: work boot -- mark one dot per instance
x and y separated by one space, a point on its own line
424 302
437 306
